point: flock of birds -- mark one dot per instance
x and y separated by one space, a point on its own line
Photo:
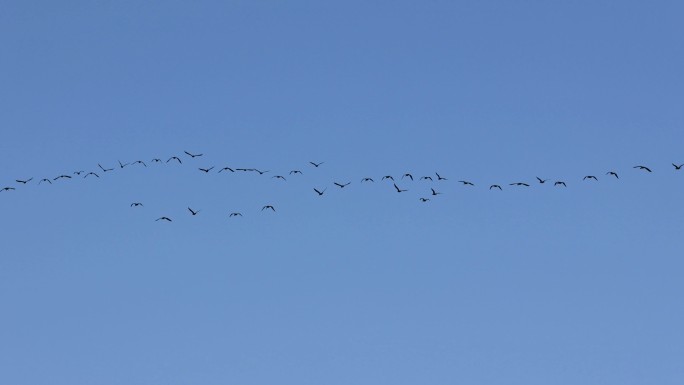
320 192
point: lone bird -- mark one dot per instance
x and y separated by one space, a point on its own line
164 219
424 199
435 192
495 186
174 158
425 177
105 169
227 168
560 183
193 212
542 181
341 185
613 173
319 192
407 175
678 167
643 168
193 155
90 173
398 189
206 170
519 184
8 189
268 207
24 181
367 180
466 183
590 177
235 215
136 204
440 177
279 177
316 164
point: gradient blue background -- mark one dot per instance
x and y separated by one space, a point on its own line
363 285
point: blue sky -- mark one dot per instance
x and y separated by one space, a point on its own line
362 285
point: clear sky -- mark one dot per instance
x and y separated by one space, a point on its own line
363 285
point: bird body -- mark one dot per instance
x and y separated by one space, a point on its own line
542 181
174 158
90 173
495 186
206 170
136 204
8 189
439 177
407 175
466 183
560 183
320 192
193 212
643 168
613 173
424 199
316 164
279 177
678 167
227 168
164 219
398 189
367 180
435 192
268 207
519 184
590 177
341 185
235 215
193 155
24 181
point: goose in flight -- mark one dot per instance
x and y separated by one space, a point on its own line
279 177
542 181
105 169
440 177
227 168
407 175
320 192
495 186
341 185
295 172
62 177
590 177
678 167
435 192
76 172
387 177
235 215
398 189
613 173
424 199
560 183
122 165
259 171
268 207
367 180
140 162
206 170
425 177
466 183
193 212
643 168
90 173
193 155
8 189
244 169
45 180
136 204
519 184
316 164
24 181
156 160
174 158
164 219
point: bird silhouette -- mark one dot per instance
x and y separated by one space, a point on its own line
206 170
24 181
466 183
227 168
140 162
156 160
519 184
105 169
164 219
542 181
398 189
193 155
8 189
122 165
590 177
193 212
279 177
295 172
243 169
62 177
425 177
136 204
643 168
560 183
387 177
367 180
268 207
320 192
174 158
424 199
76 172
495 186
235 215
90 173
407 175
435 192
440 177
259 171
678 167
613 173
316 164
45 180
341 185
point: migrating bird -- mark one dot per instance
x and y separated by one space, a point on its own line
398 189
76 172
62 176
408 175
519 184
678 167
425 177
367 180
590 177
164 219
193 155
90 173
316 164
320 192
227 168
424 199
613 173
8 189
435 192
439 177
244 169
560 183
136 204
140 162
105 169
341 185
268 207
235 215
156 160
643 168
279 177
387 177
122 165
466 183
295 172
542 181
24 181
193 212
495 186
176 158
206 170
259 171
45 180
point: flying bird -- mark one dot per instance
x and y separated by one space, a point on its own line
424 199
45 180
136 204
398 189
279 177
259 171
408 175
156 160
367 180
341 185
560 183
24 181
495 186
425 177
122 165
206 170
643 168
590 177
235 215
140 162
440 177
613 173
227 168
435 192
105 169
193 155
519 184
76 172
320 192
8 189
387 177
90 173
678 167
542 181
244 169
316 164
295 172
174 158
268 207
164 219
62 176
193 212
466 183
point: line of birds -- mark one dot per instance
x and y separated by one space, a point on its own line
318 191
